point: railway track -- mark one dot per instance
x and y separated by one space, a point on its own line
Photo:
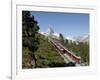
65 53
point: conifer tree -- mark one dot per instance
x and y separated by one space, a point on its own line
29 33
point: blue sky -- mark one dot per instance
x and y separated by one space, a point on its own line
69 24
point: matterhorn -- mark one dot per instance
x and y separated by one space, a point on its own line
50 31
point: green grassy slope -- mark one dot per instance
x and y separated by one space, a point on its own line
46 55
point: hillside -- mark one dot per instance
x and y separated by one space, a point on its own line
46 55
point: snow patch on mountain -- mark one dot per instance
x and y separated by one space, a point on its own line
69 38
47 34
83 38
56 34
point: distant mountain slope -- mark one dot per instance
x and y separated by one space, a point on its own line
83 38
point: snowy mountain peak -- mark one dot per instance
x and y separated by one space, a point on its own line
50 31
